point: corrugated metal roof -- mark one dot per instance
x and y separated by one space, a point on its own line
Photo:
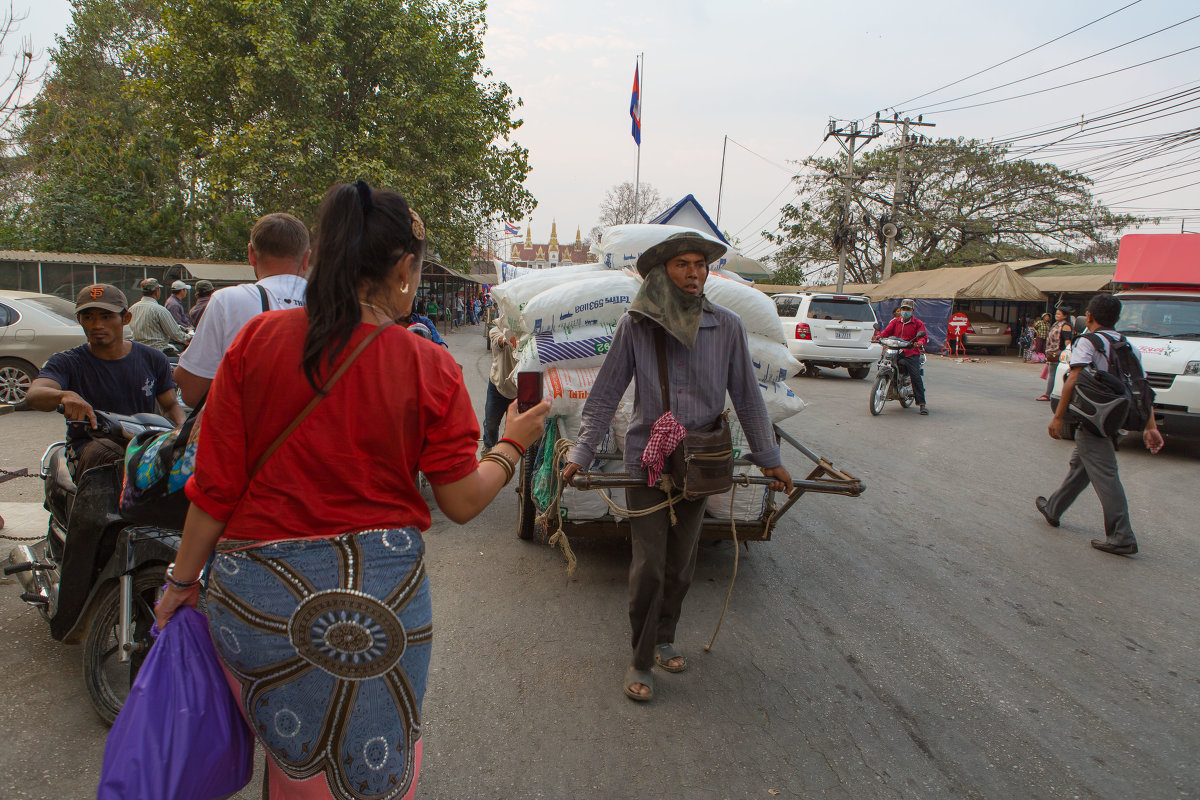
37 256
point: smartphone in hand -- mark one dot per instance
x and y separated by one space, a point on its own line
529 390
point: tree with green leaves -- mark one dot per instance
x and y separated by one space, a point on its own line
245 108
964 202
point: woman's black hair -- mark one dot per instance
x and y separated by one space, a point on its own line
361 234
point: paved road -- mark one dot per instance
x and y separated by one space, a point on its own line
933 638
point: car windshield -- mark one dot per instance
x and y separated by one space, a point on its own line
850 309
1160 317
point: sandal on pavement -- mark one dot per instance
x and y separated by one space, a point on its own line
1044 397
663 654
642 676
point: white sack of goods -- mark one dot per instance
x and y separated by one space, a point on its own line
772 361
781 401
508 272
568 388
621 245
758 313
511 296
569 347
585 302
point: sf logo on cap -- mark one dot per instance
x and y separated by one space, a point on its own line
97 292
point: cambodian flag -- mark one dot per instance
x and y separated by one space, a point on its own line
635 108
511 230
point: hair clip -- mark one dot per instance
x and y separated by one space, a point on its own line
418 227
364 194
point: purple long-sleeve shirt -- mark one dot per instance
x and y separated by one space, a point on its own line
719 362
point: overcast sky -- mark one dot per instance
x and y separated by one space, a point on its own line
770 74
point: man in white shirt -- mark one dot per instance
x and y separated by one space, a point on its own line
1095 458
279 252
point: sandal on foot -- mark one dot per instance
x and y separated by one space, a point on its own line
663 654
642 676
1044 397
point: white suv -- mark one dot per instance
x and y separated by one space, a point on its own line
829 330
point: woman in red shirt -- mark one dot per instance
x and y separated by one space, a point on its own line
320 612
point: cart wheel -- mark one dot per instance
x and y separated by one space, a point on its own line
526 510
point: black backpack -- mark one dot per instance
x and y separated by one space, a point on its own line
1131 381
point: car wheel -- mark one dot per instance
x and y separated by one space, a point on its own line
15 377
859 372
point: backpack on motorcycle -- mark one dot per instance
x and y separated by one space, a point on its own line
157 465
1120 398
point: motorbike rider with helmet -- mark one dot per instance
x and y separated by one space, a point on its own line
910 329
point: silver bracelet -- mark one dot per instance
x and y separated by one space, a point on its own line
178 584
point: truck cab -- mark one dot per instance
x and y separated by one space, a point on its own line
1158 280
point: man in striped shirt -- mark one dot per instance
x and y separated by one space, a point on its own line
707 356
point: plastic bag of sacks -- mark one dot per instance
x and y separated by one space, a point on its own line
746 503
621 245
584 302
587 504
568 388
511 296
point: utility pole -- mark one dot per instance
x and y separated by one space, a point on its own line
851 133
892 227
721 185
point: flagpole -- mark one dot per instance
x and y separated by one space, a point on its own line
637 179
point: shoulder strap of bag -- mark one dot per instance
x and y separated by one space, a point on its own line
660 345
262 293
317 399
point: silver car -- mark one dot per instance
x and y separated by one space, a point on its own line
33 327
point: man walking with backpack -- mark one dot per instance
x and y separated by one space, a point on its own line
1095 458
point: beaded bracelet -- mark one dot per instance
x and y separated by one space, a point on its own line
178 584
517 445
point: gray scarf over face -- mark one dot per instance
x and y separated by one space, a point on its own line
662 301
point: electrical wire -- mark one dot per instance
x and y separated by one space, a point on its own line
1018 55
1065 85
1052 69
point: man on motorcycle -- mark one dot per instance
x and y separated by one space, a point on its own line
910 329
152 324
107 372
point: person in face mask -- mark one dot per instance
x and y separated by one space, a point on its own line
707 357
911 329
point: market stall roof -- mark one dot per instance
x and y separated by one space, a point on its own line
1079 278
222 273
847 288
985 282
1157 258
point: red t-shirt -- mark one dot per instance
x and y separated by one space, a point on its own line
908 331
352 463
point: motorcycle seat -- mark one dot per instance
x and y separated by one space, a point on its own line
60 473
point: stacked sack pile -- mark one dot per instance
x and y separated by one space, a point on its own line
564 319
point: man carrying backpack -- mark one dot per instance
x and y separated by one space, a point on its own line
1095 458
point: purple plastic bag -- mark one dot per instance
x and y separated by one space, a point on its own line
181 734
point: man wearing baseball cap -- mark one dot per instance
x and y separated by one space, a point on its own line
174 304
108 372
910 329
706 357
152 324
204 291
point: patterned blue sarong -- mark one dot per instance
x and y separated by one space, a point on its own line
330 640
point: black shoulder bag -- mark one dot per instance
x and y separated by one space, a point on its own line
702 464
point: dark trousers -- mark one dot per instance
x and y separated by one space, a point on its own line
913 365
95 453
494 409
664 561
1095 461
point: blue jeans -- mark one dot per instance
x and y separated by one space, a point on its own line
912 364
493 412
